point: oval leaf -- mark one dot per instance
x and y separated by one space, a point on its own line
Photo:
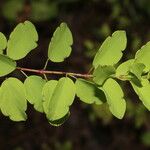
110 51
12 99
22 40
115 100
60 45
101 73
143 92
3 42
7 65
89 93
34 86
58 96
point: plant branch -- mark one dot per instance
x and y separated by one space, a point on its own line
55 72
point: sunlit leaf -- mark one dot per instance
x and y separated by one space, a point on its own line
101 73
137 69
22 40
7 65
34 85
110 51
143 56
88 92
115 98
3 42
58 96
124 68
60 45
143 92
12 99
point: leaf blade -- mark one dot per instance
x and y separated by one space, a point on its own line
115 100
34 85
143 55
7 65
3 42
110 51
12 99
58 96
101 73
22 40
88 92
60 44
143 92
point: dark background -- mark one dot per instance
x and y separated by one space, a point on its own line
89 126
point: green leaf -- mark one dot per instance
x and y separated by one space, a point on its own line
12 99
115 100
101 73
110 51
34 85
124 68
7 65
88 92
58 96
137 70
22 40
3 42
60 45
143 55
143 92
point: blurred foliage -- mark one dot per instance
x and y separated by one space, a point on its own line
43 10
11 8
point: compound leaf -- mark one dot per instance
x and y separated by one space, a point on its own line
7 65
60 45
143 92
58 96
12 99
89 93
115 100
34 85
101 73
3 42
110 51
143 55
22 40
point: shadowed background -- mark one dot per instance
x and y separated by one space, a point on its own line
89 126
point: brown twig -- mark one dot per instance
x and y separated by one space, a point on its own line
55 72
